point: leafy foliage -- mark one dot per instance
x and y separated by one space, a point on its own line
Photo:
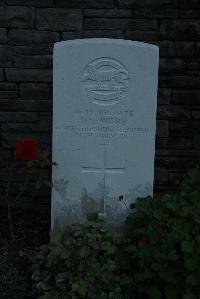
156 256
164 248
13 284
80 262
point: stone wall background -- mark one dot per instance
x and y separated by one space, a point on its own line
28 30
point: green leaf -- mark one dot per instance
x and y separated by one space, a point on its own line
187 246
154 293
80 287
131 248
36 276
43 286
94 217
192 280
172 292
84 252
56 236
189 295
190 264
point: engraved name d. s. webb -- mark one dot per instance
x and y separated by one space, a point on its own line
105 81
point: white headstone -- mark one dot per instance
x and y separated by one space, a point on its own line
104 123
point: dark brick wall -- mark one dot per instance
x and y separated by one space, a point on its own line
28 30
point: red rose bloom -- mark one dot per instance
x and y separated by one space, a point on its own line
27 149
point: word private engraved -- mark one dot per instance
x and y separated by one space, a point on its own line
105 81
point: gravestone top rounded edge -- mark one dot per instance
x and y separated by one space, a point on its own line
105 41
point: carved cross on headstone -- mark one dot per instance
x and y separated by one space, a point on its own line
104 171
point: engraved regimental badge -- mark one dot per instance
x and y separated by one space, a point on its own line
105 81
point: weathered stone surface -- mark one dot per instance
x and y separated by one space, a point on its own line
193 73
173 112
189 153
33 61
178 153
95 127
45 121
37 3
185 49
166 162
58 19
183 82
3 35
108 13
92 33
186 97
34 91
33 37
189 14
193 64
157 13
8 90
124 24
172 66
43 191
162 128
160 4
196 114
6 155
198 49
18 116
5 55
32 50
182 163
25 204
23 105
164 96
3 21
167 13
161 175
84 3
148 3
166 48
1 74
20 17
140 35
181 30
177 142
196 142
19 128
184 128
28 75
189 4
